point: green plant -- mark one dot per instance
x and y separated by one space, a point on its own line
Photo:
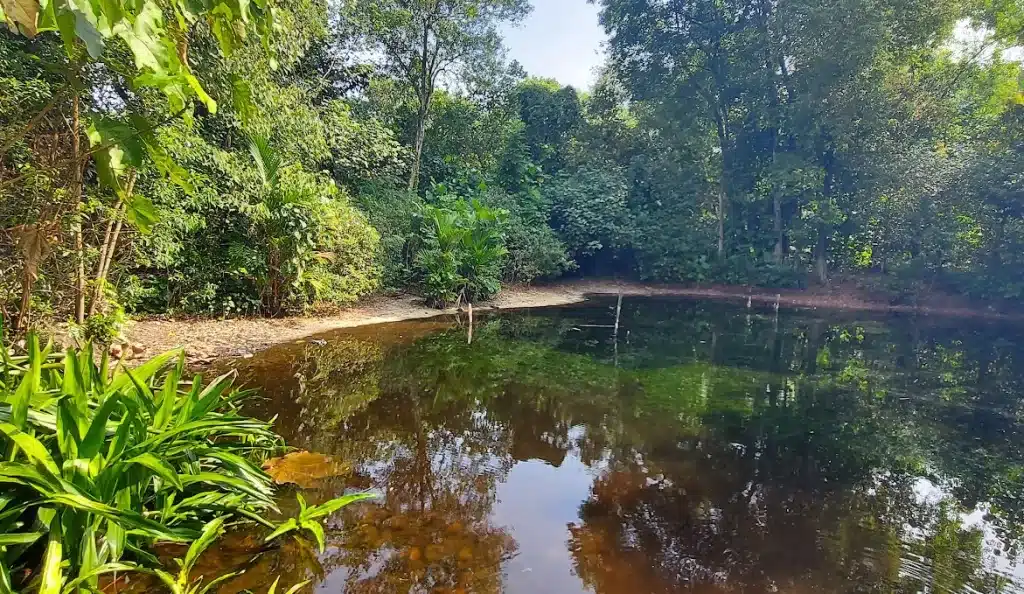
534 250
463 251
308 518
99 465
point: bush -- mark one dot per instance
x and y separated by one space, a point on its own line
268 239
392 212
98 466
590 213
534 250
462 251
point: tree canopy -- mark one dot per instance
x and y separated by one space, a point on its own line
781 143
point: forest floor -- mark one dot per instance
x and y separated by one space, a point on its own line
206 339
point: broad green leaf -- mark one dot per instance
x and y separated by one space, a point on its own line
89 557
29 385
121 434
73 382
96 436
123 150
201 94
254 490
329 507
134 520
68 435
66 25
114 539
149 42
143 373
318 533
47 19
141 213
284 528
89 34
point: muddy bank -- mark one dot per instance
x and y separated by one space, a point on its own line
207 339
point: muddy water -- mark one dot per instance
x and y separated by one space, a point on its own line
677 446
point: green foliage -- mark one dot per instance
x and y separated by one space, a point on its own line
590 213
106 464
154 44
393 213
534 249
462 250
100 465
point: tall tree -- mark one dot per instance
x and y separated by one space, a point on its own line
420 41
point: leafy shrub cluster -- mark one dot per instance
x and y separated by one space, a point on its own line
98 465
461 251
534 249
282 240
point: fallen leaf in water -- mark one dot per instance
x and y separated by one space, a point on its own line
305 469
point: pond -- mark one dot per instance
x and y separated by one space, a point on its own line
665 446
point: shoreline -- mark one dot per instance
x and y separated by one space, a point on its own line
206 339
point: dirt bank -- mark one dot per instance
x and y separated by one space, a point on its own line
208 339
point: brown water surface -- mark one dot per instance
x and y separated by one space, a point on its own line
695 447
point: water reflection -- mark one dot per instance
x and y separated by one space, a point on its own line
703 447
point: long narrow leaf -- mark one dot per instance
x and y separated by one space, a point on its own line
211 532
31 446
51 577
159 467
19 538
102 570
143 373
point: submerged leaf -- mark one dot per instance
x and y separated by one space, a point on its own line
305 469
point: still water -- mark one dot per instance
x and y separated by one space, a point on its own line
696 447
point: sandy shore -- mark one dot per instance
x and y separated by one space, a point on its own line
207 339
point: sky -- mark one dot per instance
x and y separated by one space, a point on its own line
561 39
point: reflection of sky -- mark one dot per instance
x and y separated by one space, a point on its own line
536 504
993 556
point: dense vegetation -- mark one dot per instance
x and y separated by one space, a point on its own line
99 465
294 155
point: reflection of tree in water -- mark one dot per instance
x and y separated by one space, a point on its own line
438 466
740 452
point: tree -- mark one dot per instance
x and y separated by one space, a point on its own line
420 41
75 108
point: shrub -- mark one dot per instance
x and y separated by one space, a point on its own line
392 212
462 251
534 250
99 466
590 212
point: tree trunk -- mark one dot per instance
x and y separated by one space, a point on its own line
723 184
421 132
821 255
777 213
721 218
110 245
76 196
821 249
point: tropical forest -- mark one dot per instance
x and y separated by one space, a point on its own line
748 278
